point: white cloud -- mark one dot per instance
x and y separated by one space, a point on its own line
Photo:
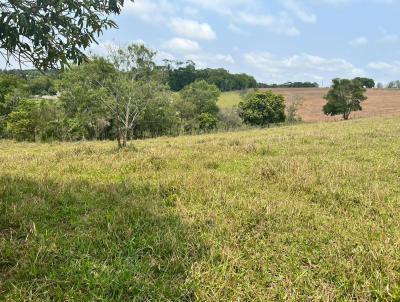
300 67
192 29
225 7
299 11
392 67
204 60
182 45
359 41
389 38
281 24
149 10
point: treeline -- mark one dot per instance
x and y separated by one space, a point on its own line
123 96
182 74
289 85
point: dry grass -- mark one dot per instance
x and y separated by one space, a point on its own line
381 102
303 213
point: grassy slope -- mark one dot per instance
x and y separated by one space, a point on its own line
229 99
309 212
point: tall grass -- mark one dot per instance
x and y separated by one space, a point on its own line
308 212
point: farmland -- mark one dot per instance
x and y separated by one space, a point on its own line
381 102
306 212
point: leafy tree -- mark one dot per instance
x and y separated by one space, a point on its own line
138 82
83 99
8 83
12 90
159 116
366 82
203 96
262 108
52 32
51 121
23 122
42 85
180 75
344 97
114 93
207 121
394 84
289 85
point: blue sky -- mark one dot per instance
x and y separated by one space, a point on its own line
276 41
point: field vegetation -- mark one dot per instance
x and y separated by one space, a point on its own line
380 102
299 213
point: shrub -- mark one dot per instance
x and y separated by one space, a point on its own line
229 119
22 123
262 108
207 122
294 102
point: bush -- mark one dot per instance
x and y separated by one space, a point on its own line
262 108
22 123
207 122
229 119
294 102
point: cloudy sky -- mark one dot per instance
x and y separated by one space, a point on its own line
274 40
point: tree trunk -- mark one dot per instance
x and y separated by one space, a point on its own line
346 116
124 137
119 138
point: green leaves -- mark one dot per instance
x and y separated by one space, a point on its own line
344 97
262 108
51 33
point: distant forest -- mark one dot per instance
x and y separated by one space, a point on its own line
180 74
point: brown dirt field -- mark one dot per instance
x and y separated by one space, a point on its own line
381 102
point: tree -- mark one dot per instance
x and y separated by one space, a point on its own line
52 32
344 97
180 75
138 82
394 84
22 122
262 108
294 102
82 97
42 85
207 121
203 96
366 82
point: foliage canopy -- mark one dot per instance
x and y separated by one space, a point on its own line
262 108
49 33
344 97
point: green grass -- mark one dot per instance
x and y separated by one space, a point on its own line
229 99
303 213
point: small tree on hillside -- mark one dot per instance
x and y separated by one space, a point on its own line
294 102
22 123
262 108
198 107
344 97
119 91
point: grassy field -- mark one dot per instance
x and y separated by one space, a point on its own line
381 102
303 213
